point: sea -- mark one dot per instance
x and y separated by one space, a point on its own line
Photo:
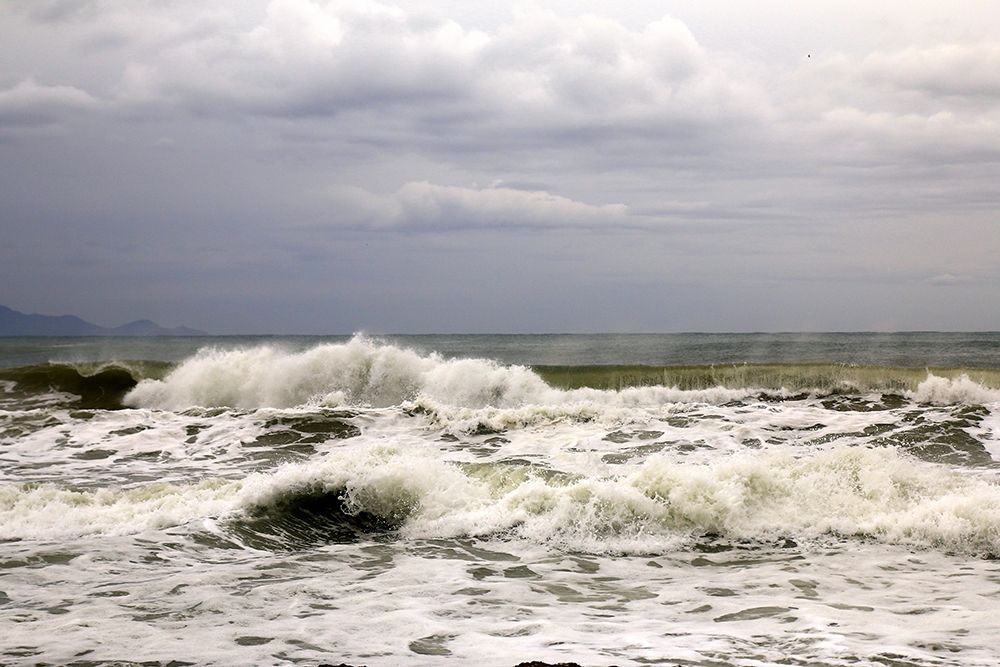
680 499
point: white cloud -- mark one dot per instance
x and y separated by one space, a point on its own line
29 104
947 69
422 205
949 279
929 105
311 59
885 135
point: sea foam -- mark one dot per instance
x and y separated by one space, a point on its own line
846 492
364 372
949 391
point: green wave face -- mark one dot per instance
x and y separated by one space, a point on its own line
99 386
817 378
298 520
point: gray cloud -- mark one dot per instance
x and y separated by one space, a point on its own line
347 164
55 11
382 75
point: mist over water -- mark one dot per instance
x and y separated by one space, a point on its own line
808 499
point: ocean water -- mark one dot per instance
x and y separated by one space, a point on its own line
688 499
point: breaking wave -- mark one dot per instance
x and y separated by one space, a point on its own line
364 372
878 494
848 492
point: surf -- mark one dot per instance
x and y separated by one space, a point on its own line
659 504
365 372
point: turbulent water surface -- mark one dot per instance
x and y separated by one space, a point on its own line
692 499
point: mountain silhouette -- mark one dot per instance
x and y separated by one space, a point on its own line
15 323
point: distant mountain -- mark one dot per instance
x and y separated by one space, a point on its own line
14 323
150 328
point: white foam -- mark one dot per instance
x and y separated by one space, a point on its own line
357 372
988 433
49 511
876 493
882 563
848 491
362 372
950 391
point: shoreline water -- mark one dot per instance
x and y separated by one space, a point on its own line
283 503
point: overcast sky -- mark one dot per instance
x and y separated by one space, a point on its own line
300 166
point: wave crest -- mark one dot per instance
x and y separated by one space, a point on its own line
364 372
855 492
657 505
359 372
938 390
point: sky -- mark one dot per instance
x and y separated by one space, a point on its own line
303 166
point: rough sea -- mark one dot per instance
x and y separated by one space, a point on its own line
687 499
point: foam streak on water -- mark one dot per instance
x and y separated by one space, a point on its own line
362 502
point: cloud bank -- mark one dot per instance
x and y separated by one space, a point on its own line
147 139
